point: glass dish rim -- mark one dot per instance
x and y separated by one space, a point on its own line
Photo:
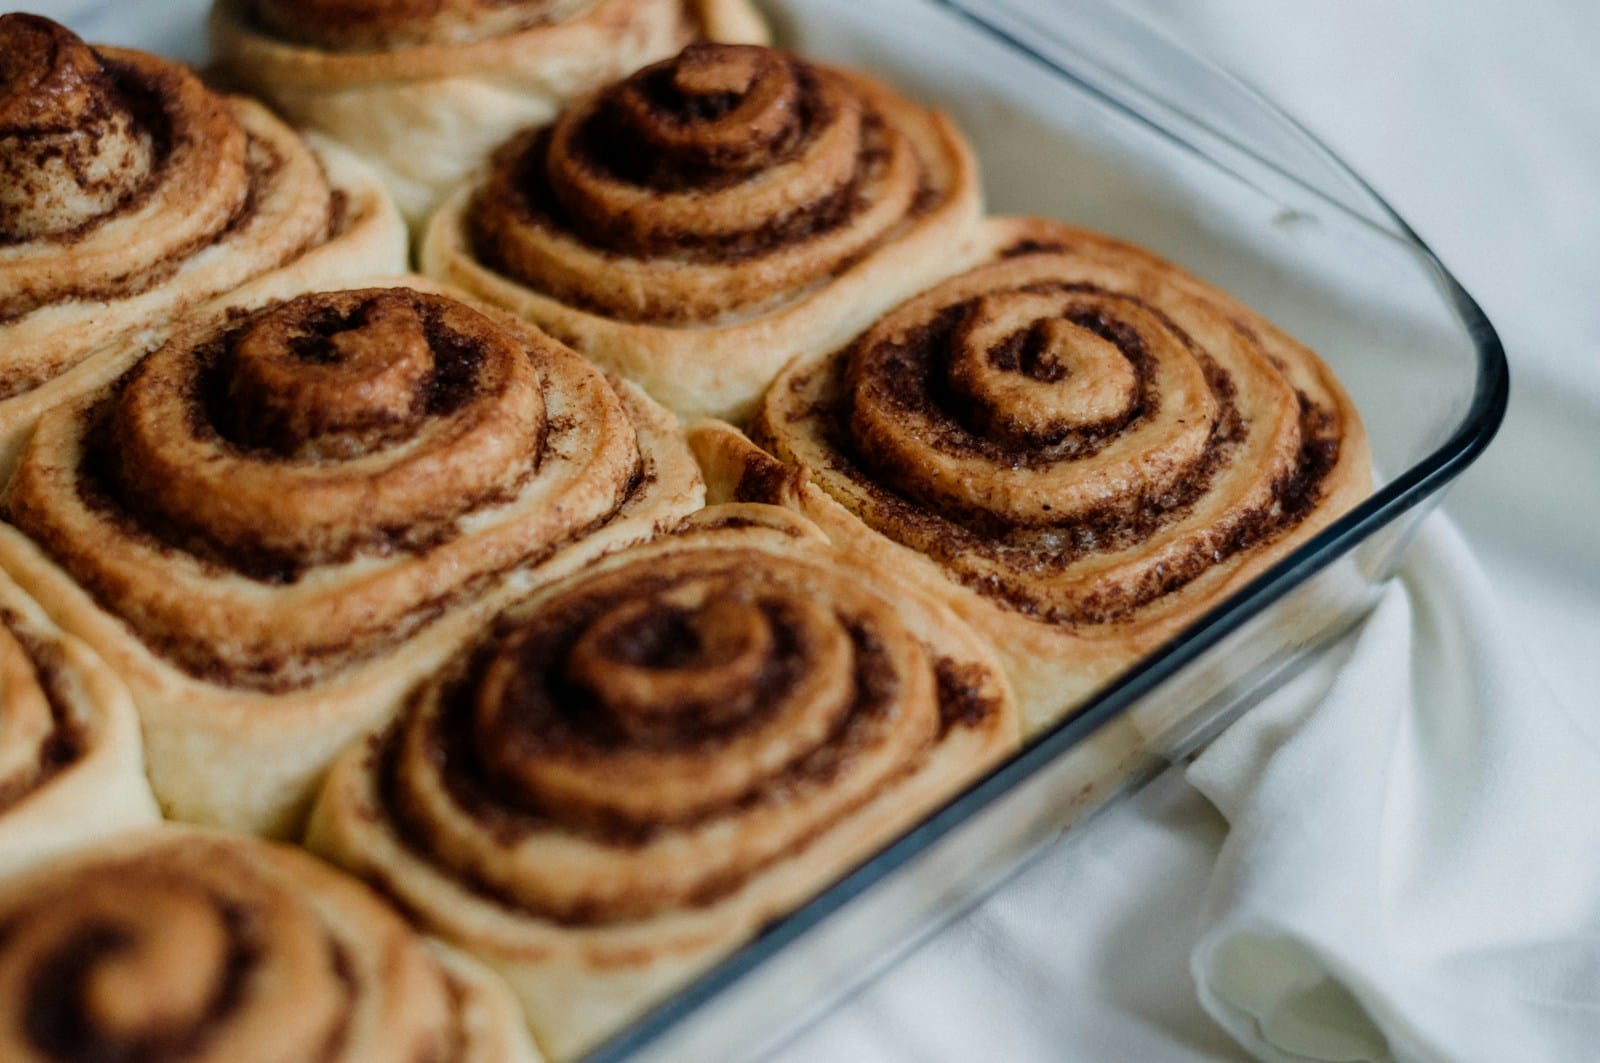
1420 481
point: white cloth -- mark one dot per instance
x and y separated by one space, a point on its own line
1425 836
1412 868
1407 869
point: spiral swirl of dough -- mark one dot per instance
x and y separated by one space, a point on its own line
94 148
42 732
698 225
425 89
1075 428
725 180
666 748
658 704
333 431
277 518
175 945
336 423
129 190
1079 445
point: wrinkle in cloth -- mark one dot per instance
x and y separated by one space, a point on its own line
1412 869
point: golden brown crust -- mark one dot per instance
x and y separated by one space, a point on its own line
130 191
424 89
701 223
639 766
1089 442
177 944
285 493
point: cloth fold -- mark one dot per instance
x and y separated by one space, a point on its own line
1412 844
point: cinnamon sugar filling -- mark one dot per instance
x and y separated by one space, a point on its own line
641 711
983 477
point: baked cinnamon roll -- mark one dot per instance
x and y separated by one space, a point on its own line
1085 446
623 778
174 944
696 226
129 192
277 519
71 765
424 89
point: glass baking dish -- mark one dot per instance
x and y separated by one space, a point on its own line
1079 111
1082 112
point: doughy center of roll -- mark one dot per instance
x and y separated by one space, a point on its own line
1032 376
717 107
71 148
329 424
647 683
332 387
648 665
158 981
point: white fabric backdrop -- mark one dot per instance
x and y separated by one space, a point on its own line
1478 120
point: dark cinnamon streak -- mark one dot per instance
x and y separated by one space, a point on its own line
966 694
153 99
1031 247
531 202
908 372
511 817
60 1025
67 742
344 972
265 165
727 523
147 99
200 662
949 533
768 481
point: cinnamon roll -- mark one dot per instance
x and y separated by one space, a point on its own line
424 89
129 192
1086 447
71 766
176 944
626 776
277 519
696 226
